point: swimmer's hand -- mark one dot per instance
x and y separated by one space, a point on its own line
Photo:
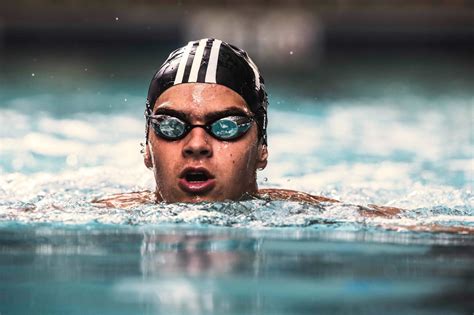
432 228
125 200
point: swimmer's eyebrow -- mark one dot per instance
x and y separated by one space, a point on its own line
209 117
232 111
171 112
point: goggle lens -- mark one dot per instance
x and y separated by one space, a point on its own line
170 127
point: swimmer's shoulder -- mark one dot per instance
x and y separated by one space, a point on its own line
126 200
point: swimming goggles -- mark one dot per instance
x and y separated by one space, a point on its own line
226 128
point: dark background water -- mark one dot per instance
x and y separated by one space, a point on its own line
315 50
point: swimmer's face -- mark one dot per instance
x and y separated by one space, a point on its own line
200 167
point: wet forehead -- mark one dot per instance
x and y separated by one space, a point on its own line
196 100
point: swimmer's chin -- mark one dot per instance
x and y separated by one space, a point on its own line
200 198
190 199
211 195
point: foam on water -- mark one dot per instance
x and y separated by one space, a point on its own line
416 155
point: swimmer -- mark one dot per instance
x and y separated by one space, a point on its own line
206 131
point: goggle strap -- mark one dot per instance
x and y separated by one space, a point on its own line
147 120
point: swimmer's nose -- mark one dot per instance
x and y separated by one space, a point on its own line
197 144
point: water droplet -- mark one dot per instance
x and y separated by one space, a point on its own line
17 164
265 179
71 160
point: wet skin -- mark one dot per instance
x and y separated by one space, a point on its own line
230 166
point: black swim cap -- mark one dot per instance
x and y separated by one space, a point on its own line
213 61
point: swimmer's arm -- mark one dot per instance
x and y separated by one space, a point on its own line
125 200
379 211
367 211
390 212
293 195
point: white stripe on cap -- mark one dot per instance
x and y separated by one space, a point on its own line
255 72
197 60
182 64
213 58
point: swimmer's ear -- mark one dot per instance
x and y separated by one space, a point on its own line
147 157
262 156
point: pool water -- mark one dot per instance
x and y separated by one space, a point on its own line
181 269
396 133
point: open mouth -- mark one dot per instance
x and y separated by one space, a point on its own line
196 177
196 181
